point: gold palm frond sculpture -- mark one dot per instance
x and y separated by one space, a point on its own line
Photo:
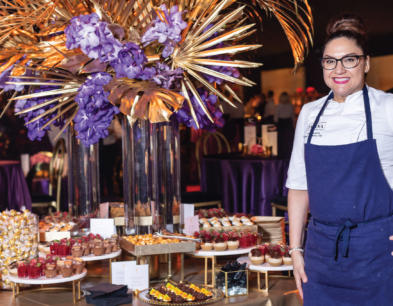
36 53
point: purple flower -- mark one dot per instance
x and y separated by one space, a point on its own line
33 128
130 61
5 77
166 77
229 71
93 37
167 32
95 112
184 114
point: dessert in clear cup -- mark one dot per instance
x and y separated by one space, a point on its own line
86 249
114 244
50 270
256 257
207 244
107 247
77 250
275 259
66 269
79 264
91 246
220 244
98 249
23 271
59 264
233 243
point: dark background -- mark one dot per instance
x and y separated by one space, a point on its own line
276 52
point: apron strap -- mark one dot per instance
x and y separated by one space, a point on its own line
366 109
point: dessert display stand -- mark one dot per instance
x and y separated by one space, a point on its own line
212 255
111 256
265 268
75 279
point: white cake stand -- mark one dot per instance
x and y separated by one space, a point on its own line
75 278
212 255
264 268
111 256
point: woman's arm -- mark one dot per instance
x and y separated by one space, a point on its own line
297 214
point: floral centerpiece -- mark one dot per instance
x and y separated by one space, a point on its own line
85 61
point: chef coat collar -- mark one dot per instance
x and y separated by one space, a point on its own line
355 98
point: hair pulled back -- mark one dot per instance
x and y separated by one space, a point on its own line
350 26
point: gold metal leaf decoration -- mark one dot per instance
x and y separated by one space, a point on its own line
143 99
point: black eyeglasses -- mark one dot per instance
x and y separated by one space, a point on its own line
350 61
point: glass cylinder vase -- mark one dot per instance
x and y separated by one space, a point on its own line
83 178
151 179
167 144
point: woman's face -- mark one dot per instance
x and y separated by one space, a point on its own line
341 80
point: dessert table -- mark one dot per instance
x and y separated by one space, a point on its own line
246 183
75 279
14 192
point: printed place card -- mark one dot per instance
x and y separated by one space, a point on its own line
137 277
104 227
119 270
191 225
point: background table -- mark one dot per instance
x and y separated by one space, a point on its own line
246 183
13 187
41 186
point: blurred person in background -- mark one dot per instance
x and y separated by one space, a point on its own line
284 118
255 106
270 108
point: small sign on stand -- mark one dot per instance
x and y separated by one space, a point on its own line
130 274
104 227
191 225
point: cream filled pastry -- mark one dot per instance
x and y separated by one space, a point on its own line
220 244
233 243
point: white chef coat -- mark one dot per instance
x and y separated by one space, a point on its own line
343 123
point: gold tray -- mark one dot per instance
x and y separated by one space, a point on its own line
217 294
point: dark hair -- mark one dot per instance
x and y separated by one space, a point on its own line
270 93
350 26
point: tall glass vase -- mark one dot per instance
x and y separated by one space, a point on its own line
83 178
151 179
168 173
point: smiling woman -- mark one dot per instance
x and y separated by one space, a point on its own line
341 169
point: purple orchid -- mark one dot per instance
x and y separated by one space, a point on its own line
166 77
167 32
93 37
95 112
130 61
33 128
184 114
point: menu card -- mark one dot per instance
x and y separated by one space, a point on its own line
130 274
191 225
104 227
119 271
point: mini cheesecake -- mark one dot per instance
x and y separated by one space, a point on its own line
287 259
207 245
275 259
256 257
220 244
233 243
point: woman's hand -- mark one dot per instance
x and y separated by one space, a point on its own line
298 270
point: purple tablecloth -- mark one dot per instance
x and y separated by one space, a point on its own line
246 183
14 192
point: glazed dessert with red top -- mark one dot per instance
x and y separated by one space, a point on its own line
256 257
220 244
287 259
233 243
207 244
275 259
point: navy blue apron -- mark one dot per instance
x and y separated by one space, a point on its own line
348 257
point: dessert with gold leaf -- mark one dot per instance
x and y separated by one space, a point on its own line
180 293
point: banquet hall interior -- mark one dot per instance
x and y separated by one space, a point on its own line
166 182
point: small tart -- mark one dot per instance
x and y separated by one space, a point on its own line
275 262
